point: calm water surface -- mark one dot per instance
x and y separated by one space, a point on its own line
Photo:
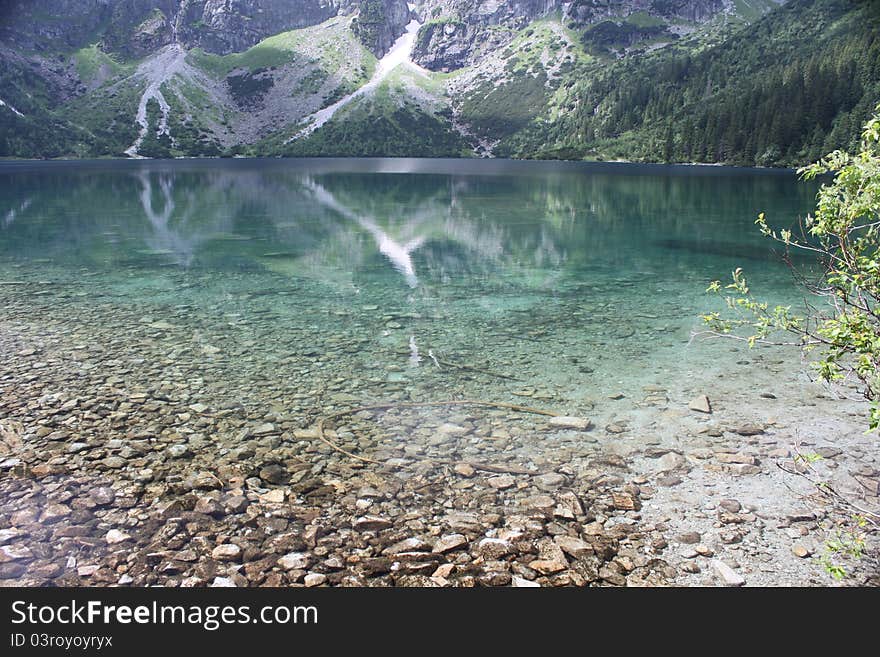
296 287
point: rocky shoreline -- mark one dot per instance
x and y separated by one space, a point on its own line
284 509
166 449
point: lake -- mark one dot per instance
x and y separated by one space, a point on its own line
575 279
176 330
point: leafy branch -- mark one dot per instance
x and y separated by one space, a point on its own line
840 327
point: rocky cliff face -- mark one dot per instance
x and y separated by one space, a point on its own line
458 33
225 26
588 12
380 22
32 24
135 28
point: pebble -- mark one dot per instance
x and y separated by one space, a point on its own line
14 553
549 482
539 502
202 480
671 461
11 534
551 559
114 462
208 506
223 583
372 523
548 566
741 469
295 561
689 538
731 506
568 422
464 522
574 547
274 474
801 552
501 482
700 404
747 459
453 430
275 496
747 429
728 575
522 583
102 495
413 544
54 513
314 579
179 451
625 502
444 570
493 548
115 536
448 543
226 552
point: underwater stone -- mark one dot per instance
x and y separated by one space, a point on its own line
700 404
568 422
115 536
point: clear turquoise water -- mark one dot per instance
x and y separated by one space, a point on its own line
280 284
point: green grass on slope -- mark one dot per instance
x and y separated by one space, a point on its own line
497 111
331 43
89 62
752 10
500 106
107 118
384 124
39 132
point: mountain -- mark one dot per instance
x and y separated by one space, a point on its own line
750 82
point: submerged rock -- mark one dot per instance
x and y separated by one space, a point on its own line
569 422
449 542
700 404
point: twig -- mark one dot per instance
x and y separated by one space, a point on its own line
500 469
475 369
515 336
825 488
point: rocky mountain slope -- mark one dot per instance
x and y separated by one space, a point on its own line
161 78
